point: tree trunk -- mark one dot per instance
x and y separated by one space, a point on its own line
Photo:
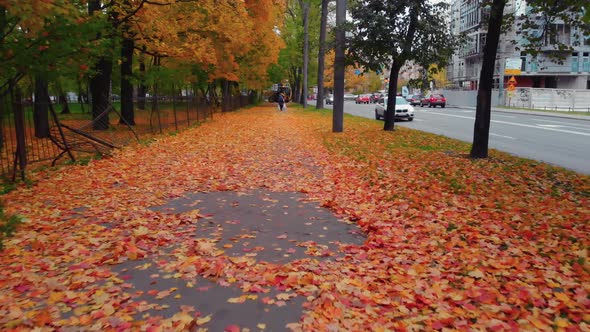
100 86
321 55
392 93
62 98
481 130
225 96
81 94
296 79
305 10
100 83
127 112
41 108
142 89
339 64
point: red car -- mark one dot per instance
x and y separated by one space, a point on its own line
434 100
363 99
414 99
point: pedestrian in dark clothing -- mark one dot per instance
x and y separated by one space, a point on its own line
281 101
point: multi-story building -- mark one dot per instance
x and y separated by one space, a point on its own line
469 17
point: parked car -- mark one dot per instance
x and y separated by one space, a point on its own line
414 99
403 109
349 96
434 100
329 99
363 99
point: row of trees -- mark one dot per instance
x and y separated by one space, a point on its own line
122 44
139 44
389 34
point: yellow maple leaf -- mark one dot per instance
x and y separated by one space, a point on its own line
204 320
477 274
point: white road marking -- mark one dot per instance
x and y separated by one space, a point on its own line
518 124
492 134
567 124
505 116
550 126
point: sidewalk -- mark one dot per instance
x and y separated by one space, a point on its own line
262 220
538 113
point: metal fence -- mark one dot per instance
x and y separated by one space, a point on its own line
71 136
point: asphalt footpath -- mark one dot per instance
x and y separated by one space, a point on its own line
270 227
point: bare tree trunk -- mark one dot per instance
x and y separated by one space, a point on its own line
41 108
100 86
225 96
397 64
142 89
62 98
296 81
100 83
127 112
82 98
391 92
321 55
481 130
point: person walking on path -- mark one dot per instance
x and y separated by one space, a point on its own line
281 101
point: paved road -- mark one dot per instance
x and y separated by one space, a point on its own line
559 141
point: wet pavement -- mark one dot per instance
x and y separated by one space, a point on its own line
256 228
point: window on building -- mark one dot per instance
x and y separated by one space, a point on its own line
558 33
575 62
523 61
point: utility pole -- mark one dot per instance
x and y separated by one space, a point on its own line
338 109
501 81
305 7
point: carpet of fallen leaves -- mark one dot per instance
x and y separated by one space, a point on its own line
497 244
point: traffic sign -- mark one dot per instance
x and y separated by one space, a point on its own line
512 66
512 80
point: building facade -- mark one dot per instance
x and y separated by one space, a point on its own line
469 18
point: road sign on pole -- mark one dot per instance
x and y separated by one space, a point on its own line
512 80
513 66
511 84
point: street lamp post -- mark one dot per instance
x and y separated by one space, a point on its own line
501 81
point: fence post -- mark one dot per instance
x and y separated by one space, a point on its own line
20 158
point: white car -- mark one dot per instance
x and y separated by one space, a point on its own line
349 96
403 109
329 99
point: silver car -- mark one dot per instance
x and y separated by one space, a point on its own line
329 99
403 109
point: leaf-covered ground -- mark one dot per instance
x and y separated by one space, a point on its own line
498 244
